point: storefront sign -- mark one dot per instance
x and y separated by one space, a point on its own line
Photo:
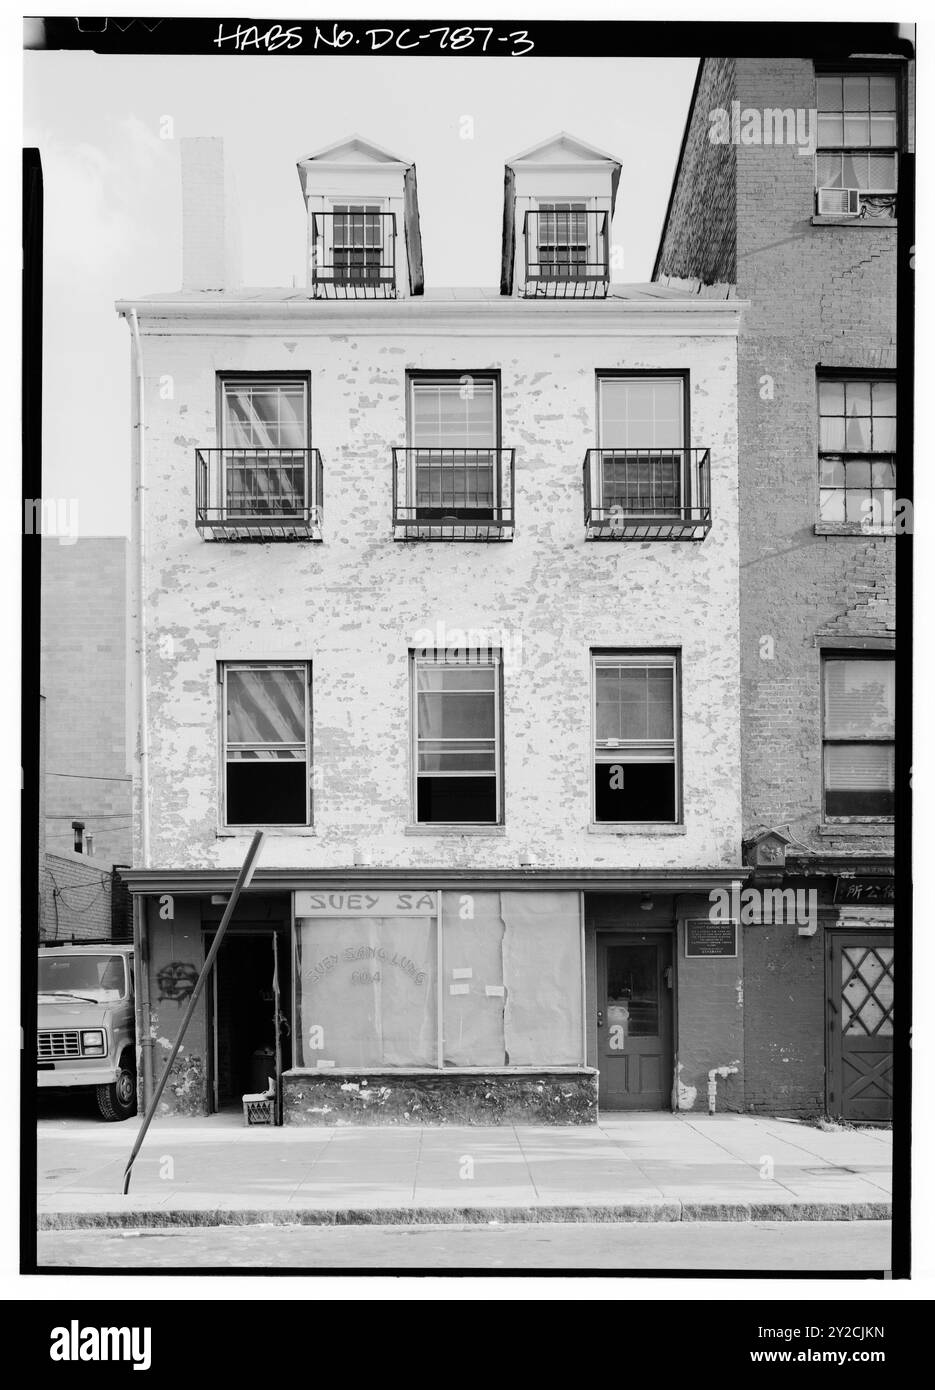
706 938
359 902
864 890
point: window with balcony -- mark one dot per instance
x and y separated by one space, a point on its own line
266 743
859 732
264 482
858 124
636 740
453 481
456 738
643 482
354 251
567 252
857 453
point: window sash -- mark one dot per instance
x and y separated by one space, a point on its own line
457 754
266 750
859 703
649 749
641 412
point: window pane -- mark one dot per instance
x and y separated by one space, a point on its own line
882 130
455 677
859 779
829 170
884 474
830 93
456 716
264 415
857 92
832 472
857 394
857 504
884 397
859 697
831 504
858 473
830 130
266 706
854 170
634 791
883 91
633 990
857 433
831 434
881 172
267 792
857 130
640 413
831 397
454 414
366 992
884 436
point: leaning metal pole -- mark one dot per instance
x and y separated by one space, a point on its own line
243 879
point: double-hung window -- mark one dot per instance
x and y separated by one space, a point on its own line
636 737
266 743
858 125
454 429
456 737
357 230
859 748
641 433
562 240
264 446
857 451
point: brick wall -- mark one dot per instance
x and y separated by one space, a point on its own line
75 898
699 240
83 677
818 296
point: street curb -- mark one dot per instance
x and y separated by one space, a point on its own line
669 1211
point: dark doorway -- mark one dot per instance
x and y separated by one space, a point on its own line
242 1013
634 1034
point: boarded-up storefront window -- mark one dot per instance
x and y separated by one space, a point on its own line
512 979
366 992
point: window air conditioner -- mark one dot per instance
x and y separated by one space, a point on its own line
839 202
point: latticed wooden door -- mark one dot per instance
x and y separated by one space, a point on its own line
860 1025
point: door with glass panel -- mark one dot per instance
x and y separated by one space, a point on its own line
641 435
264 447
634 1020
861 991
454 455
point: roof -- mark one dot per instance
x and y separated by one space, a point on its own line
650 291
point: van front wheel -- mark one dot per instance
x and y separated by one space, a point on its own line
117 1101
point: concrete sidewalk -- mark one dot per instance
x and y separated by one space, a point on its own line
640 1167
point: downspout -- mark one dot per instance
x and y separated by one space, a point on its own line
141 700
140 933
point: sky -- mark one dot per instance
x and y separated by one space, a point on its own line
113 205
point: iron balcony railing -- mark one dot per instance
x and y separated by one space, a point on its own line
453 494
258 494
353 255
647 494
567 255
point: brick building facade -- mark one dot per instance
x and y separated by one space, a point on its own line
494 908
750 215
86 774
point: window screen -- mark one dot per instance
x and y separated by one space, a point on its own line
859 751
266 744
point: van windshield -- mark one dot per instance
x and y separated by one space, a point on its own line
99 977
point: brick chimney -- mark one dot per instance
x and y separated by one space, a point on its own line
210 225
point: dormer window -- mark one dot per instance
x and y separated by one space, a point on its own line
558 205
363 222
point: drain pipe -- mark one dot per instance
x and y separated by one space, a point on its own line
140 924
141 700
713 1075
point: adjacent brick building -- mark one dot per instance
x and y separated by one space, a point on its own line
86 773
786 195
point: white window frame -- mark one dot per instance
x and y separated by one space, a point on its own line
237 379
248 664
338 206
616 753
850 654
543 206
492 658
